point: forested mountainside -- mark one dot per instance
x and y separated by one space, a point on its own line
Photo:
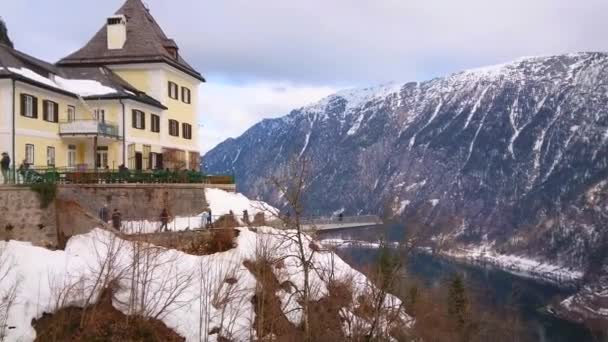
514 155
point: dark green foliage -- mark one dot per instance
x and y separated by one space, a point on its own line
46 193
458 305
4 38
387 265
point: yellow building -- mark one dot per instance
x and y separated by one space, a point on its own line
126 98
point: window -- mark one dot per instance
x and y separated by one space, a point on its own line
29 106
173 90
186 95
155 123
72 156
71 113
49 111
187 131
50 156
100 115
139 119
174 128
153 161
131 154
146 157
29 154
101 160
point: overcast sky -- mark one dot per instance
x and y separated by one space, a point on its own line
263 58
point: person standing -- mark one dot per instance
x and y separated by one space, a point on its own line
5 165
164 220
116 219
210 218
204 219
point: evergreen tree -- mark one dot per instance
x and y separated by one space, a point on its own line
4 38
458 304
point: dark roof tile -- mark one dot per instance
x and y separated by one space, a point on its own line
146 42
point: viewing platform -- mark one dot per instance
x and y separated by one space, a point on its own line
338 223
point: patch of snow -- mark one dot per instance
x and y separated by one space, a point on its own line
84 87
42 274
78 87
220 202
519 265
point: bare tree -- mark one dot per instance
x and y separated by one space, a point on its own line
9 286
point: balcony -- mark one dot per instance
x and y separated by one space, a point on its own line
89 128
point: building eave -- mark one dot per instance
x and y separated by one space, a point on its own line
134 60
26 80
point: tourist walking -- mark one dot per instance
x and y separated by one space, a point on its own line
164 220
210 218
5 165
116 219
204 219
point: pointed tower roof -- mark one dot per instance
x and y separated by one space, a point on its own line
146 43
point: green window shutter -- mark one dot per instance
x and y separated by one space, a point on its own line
45 110
22 105
35 105
56 109
134 119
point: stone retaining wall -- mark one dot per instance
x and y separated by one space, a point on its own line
21 217
138 201
75 209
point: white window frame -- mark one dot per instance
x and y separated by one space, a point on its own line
71 113
29 106
72 156
155 124
173 90
173 128
50 111
100 115
139 119
30 154
50 156
154 160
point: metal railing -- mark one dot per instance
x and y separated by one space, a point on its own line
341 220
89 127
175 224
35 175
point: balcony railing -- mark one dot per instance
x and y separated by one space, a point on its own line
33 175
89 127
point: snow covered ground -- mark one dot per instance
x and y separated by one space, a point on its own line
48 280
518 265
220 202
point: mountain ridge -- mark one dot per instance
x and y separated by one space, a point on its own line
513 153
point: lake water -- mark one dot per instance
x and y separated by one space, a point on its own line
494 287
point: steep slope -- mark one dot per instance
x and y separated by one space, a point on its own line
514 155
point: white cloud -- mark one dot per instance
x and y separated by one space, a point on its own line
228 110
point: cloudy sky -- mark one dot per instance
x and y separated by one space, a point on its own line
263 58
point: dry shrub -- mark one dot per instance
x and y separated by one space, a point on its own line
109 325
269 316
221 240
226 221
259 219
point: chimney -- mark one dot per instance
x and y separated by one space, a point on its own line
117 32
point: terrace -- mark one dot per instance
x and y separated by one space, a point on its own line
70 176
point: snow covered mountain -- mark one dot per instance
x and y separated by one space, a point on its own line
514 156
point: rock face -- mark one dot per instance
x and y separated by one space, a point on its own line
514 155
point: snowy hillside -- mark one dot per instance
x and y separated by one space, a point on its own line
42 277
